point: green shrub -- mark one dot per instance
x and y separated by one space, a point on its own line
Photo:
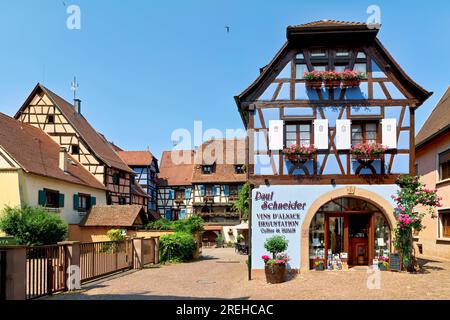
161 224
276 244
115 235
190 225
219 241
242 204
176 247
33 226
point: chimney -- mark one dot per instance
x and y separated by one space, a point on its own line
63 159
77 105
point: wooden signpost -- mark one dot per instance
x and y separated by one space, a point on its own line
395 262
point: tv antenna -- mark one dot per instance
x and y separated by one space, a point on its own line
74 87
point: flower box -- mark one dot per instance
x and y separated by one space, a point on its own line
313 84
351 83
366 152
299 153
330 84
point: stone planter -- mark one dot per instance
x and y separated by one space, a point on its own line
275 274
313 84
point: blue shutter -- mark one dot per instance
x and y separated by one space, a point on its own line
61 200
42 200
187 193
168 214
202 190
76 202
171 194
226 191
182 214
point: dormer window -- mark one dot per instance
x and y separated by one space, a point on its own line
239 169
207 169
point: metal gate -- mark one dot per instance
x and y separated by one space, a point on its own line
46 270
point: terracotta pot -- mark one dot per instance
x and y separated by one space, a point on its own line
351 83
275 274
313 84
332 83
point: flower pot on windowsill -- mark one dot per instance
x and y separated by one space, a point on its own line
351 83
364 158
298 158
275 273
330 84
313 84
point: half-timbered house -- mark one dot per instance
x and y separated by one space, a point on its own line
218 175
328 202
145 166
64 122
174 187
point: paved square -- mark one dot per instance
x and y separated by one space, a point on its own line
222 273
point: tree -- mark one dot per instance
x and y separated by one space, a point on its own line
242 204
276 244
412 193
33 225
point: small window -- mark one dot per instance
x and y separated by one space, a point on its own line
50 119
208 190
116 178
364 133
361 67
320 68
234 191
75 149
444 219
179 195
340 68
444 165
297 133
239 169
300 71
122 201
84 202
207 169
300 56
51 198
361 55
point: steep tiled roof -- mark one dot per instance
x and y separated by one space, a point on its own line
114 216
37 153
176 168
98 144
223 154
136 158
329 23
438 121
137 190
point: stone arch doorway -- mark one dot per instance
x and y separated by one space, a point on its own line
347 220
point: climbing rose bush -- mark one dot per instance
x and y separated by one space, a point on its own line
412 193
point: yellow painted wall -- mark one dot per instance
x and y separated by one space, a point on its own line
428 168
9 188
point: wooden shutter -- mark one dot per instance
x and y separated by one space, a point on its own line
276 136
187 193
321 134
76 202
93 201
343 134
389 133
61 200
202 190
42 199
226 190
171 194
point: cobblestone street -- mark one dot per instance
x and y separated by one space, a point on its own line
222 274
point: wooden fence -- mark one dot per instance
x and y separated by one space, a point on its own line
149 248
2 275
98 259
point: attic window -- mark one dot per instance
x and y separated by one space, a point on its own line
207 169
239 169
75 149
50 119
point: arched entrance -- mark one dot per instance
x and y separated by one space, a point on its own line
354 223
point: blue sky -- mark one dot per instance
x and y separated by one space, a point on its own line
146 68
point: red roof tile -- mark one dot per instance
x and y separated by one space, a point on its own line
176 168
136 158
115 216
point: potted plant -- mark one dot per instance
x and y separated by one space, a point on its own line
319 264
299 153
352 78
219 241
275 267
383 263
331 79
368 151
313 79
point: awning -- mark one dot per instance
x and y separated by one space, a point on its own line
242 226
212 228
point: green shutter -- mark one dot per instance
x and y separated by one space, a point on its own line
61 200
76 202
93 201
226 191
42 199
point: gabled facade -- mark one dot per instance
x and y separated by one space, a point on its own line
433 166
36 171
65 124
280 109
174 187
145 167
